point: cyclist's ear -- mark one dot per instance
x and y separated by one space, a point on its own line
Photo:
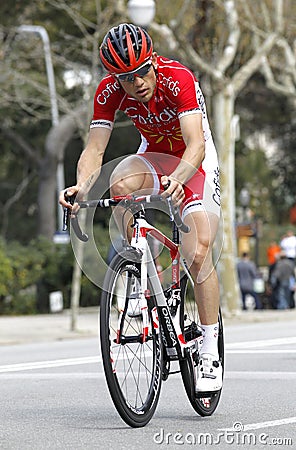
154 59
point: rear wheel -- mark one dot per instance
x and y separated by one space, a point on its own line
203 404
130 343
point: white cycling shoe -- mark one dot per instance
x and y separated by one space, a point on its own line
209 374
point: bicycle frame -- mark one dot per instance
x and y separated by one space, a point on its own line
172 336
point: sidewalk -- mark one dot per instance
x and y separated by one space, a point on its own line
54 327
47 327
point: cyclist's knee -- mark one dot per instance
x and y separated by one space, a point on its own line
131 175
202 267
199 259
200 254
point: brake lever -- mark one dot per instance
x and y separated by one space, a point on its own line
67 212
169 202
171 208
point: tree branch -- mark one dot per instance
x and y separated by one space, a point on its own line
20 190
81 22
285 88
166 34
197 61
230 48
245 72
278 15
20 142
175 23
288 69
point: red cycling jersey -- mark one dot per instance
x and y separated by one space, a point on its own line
177 93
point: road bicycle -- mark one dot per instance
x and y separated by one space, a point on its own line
144 327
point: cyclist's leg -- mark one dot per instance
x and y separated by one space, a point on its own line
201 213
206 289
131 176
139 174
203 229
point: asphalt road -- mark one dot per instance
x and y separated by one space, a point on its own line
53 395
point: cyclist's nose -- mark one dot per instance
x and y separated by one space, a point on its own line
138 81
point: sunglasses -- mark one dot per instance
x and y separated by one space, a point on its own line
139 72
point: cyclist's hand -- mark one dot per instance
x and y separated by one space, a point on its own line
65 195
173 188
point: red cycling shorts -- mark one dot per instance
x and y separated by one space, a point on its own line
202 190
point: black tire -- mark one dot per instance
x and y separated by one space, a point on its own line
133 369
190 325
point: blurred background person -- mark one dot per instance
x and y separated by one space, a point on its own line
288 245
247 274
282 274
272 253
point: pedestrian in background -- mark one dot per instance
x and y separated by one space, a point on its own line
272 253
281 281
288 245
247 273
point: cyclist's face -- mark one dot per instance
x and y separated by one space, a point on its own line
142 88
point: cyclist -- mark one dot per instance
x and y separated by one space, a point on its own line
163 99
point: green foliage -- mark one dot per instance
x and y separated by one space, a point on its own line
20 268
6 273
266 167
28 273
24 268
254 172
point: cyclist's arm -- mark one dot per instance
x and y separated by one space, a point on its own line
90 161
193 136
89 164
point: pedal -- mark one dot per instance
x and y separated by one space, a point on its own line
191 332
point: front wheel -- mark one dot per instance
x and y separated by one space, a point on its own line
130 343
190 325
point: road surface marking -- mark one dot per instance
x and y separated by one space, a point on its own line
57 363
49 364
261 343
265 375
231 348
255 351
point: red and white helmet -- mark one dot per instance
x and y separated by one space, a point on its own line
125 47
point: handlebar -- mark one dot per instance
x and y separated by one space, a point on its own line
127 201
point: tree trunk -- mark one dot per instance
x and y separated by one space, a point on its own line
56 142
47 199
223 108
